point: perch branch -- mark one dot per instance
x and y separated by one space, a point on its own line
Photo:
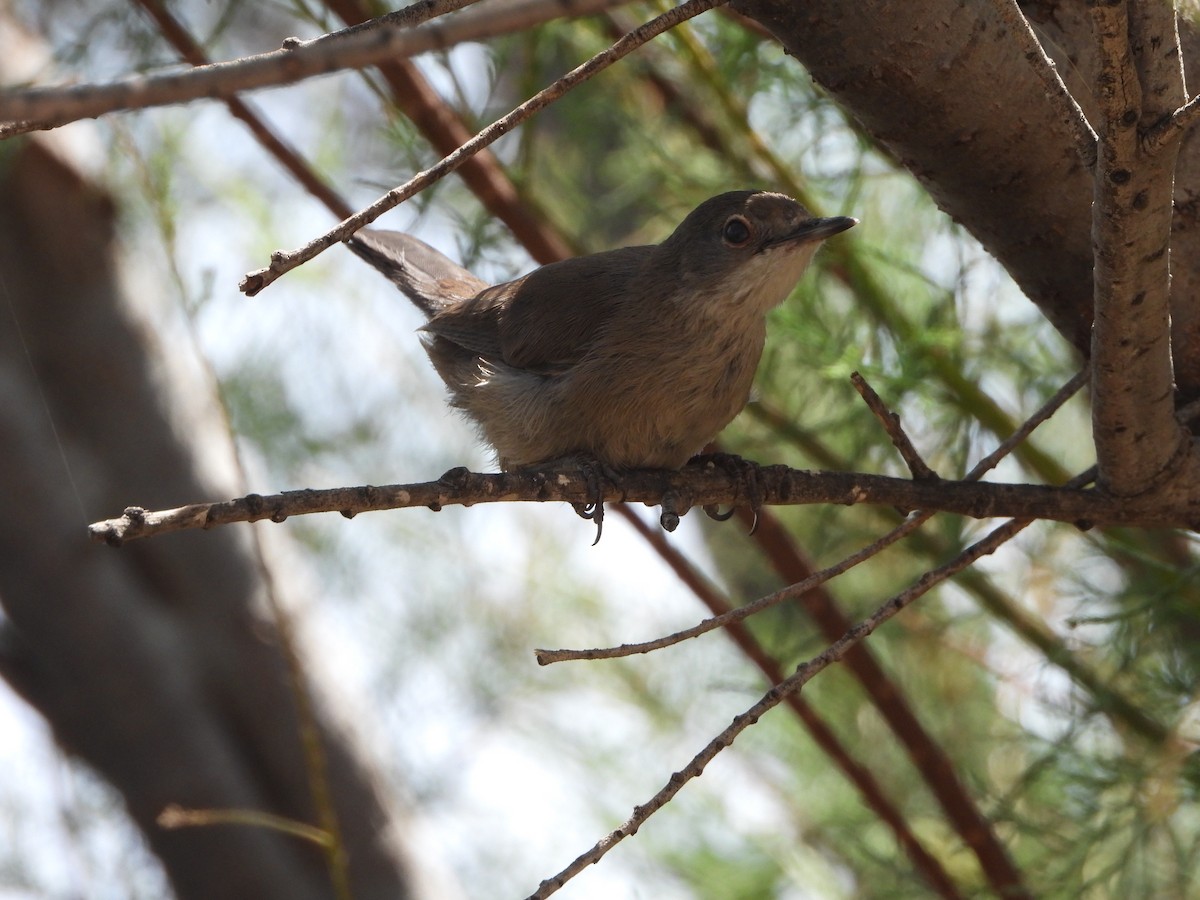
702 485
802 587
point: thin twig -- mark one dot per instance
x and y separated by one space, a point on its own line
803 674
869 788
282 261
724 620
891 424
174 816
1044 412
1056 400
1043 66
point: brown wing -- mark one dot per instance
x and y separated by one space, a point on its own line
545 321
553 314
474 324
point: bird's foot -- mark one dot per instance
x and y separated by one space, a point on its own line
746 476
596 473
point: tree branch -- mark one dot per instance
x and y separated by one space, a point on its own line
1043 67
891 424
390 37
698 485
1139 443
869 788
803 674
282 262
49 107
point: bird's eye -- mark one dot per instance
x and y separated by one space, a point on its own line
736 232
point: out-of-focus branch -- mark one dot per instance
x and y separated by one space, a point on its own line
49 107
40 108
187 47
443 129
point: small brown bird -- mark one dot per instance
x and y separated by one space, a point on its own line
633 358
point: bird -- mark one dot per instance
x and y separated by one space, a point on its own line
631 358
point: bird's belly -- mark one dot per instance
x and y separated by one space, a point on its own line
655 408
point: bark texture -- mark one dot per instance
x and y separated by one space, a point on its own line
945 88
150 663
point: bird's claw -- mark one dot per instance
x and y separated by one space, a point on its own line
745 474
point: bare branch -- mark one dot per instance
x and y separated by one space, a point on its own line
702 485
1139 444
1044 412
871 791
733 616
282 262
803 674
891 424
390 37
1061 99
48 107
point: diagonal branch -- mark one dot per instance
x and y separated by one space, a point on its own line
445 131
803 674
1067 107
891 424
1139 444
282 262
856 773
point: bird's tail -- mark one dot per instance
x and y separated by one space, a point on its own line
428 278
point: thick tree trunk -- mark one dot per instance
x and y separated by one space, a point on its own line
149 662
950 90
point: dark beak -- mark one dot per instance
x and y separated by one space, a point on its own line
816 230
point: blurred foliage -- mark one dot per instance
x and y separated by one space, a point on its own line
439 612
